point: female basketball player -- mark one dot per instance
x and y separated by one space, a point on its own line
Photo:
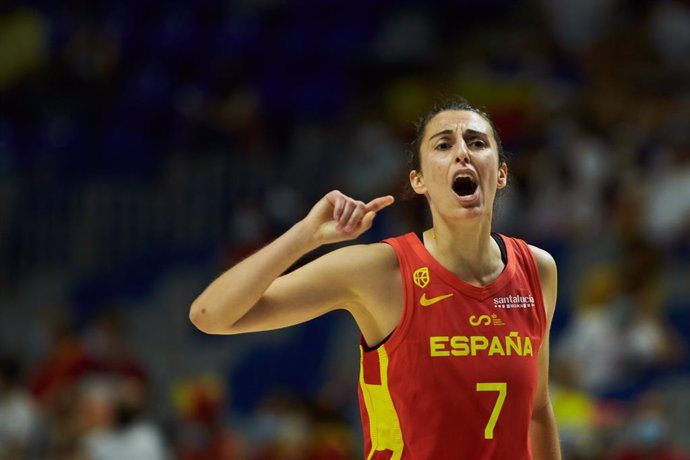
455 321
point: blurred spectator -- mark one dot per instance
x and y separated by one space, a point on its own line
19 419
93 417
648 434
591 347
199 431
575 412
108 348
668 210
113 426
64 361
332 438
280 429
618 332
287 430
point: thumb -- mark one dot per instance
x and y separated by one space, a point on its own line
379 203
368 219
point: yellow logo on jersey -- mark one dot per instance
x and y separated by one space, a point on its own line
483 320
461 345
421 277
426 302
486 320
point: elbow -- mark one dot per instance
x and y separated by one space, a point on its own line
197 316
202 319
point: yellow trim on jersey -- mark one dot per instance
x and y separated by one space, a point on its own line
384 426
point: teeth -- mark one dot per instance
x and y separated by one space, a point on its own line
465 176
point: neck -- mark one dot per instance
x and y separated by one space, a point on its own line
466 249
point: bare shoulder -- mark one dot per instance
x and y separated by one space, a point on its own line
355 269
366 265
378 254
376 258
545 262
548 274
358 259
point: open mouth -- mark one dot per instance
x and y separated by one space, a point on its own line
464 185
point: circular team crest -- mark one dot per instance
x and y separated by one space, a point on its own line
421 277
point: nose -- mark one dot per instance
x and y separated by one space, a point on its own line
463 153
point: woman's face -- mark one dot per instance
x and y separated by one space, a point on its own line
459 165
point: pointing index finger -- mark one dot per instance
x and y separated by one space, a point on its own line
379 203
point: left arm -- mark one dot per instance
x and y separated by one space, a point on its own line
543 432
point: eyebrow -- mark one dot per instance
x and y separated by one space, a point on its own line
470 132
473 132
442 133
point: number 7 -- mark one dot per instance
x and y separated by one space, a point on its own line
502 389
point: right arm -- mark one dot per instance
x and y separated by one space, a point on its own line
252 296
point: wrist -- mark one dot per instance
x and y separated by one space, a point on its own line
305 236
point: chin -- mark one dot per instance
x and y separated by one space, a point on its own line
469 206
471 213
467 213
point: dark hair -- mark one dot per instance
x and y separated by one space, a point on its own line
413 154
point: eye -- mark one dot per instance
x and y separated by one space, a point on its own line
443 145
477 143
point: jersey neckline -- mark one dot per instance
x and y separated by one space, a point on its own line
477 292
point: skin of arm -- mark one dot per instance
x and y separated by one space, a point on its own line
543 432
252 296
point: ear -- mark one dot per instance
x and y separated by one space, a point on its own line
417 182
502 176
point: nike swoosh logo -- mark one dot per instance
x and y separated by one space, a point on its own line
426 302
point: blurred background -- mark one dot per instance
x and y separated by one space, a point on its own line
146 146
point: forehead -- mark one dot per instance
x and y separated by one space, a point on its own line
460 120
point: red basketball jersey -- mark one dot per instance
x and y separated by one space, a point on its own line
457 378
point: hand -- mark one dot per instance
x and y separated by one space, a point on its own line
337 217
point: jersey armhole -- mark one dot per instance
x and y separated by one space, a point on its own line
502 247
367 348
